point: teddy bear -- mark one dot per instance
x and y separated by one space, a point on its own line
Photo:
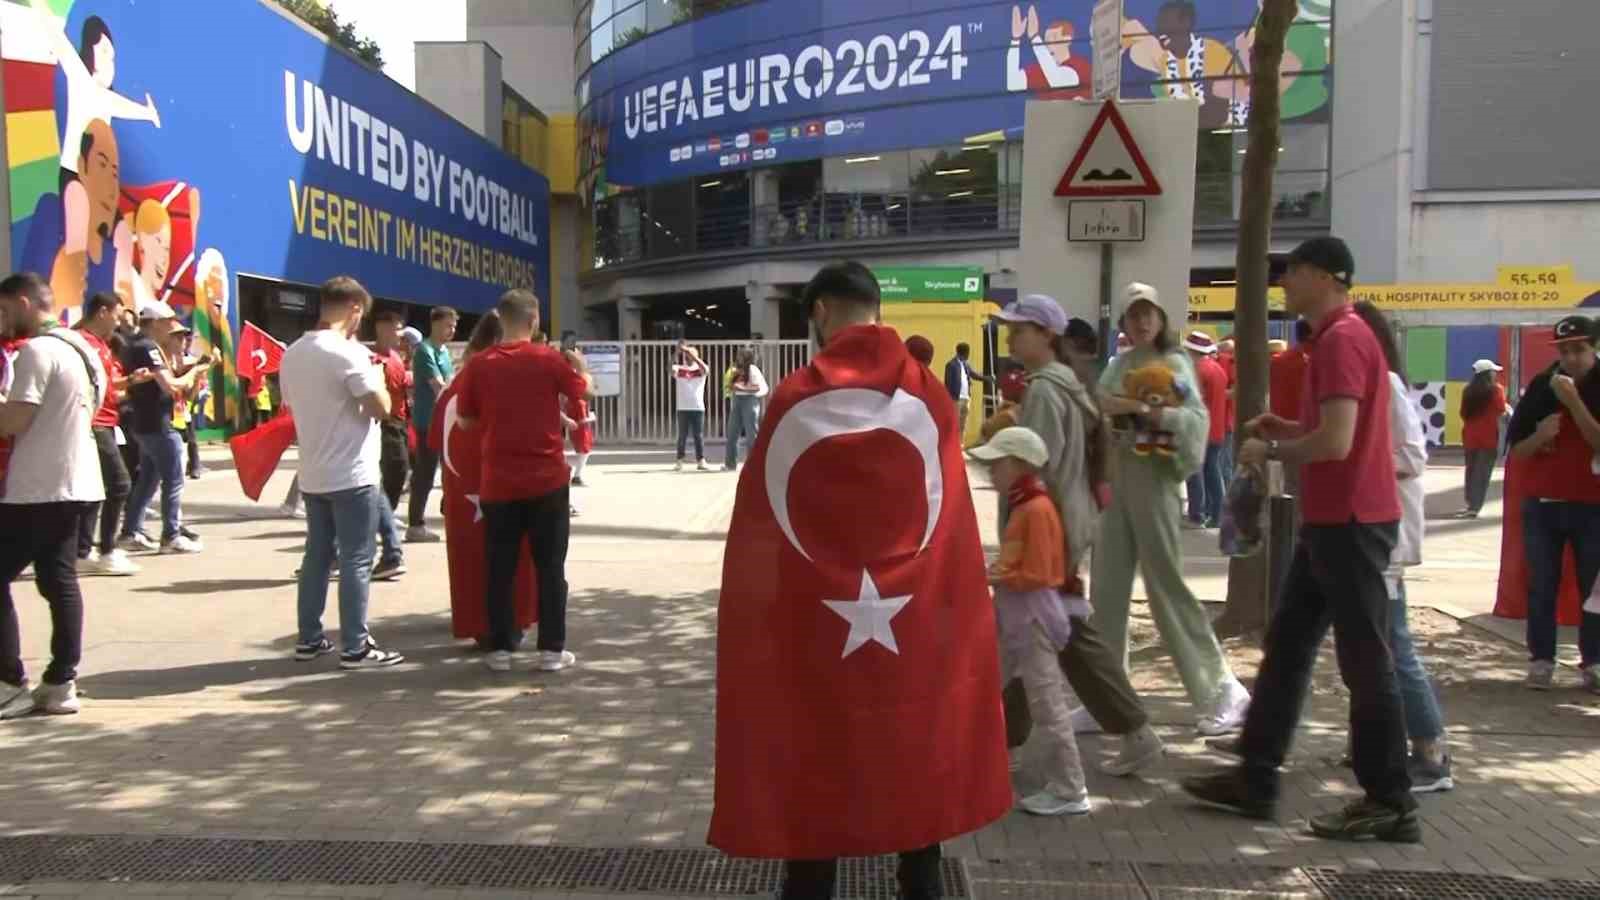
1157 387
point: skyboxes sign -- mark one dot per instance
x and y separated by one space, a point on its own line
122 116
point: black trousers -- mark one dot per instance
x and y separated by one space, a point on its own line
1336 579
1098 678
394 459
192 441
421 485
546 523
45 534
813 879
114 472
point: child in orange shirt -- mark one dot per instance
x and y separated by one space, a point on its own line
1036 599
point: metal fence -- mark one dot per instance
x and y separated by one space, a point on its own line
645 410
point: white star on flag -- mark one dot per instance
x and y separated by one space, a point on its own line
477 508
869 617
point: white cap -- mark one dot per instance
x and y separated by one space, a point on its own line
156 310
1022 443
1200 342
1137 291
1486 365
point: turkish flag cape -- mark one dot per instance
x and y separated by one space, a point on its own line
260 355
1511 600
858 679
257 451
461 461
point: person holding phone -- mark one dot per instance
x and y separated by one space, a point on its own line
689 375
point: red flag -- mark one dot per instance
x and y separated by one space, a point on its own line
260 355
858 679
1511 600
461 461
257 451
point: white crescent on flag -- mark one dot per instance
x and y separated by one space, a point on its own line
259 357
450 417
852 411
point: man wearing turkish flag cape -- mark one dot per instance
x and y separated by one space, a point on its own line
858 682
461 460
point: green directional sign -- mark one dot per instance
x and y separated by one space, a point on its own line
933 284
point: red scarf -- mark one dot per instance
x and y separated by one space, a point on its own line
1026 488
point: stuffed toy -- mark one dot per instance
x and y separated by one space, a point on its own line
1157 387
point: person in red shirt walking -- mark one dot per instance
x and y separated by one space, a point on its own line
1286 380
1483 408
513 392
99 322
394 446
1205 486
1351 514
1557 423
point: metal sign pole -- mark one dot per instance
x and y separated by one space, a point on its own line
1107 342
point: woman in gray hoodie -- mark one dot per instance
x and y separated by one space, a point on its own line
1058 407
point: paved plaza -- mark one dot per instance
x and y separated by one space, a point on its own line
201 740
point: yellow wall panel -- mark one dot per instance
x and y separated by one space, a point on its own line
945 325
31 136
1452 412
561 155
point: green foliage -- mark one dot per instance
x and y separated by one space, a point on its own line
324 19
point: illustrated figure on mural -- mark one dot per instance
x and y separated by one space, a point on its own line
1046 66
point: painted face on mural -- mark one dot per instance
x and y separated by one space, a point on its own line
99 168
1058 37
155 256
105 61
1174 26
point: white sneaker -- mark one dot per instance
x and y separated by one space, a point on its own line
138 542
291 511
1233 702
115 563
701 465
1045 803
87 565
1084 723
1139 749
57 699
182 544
677 466
556 660
16 701
497 660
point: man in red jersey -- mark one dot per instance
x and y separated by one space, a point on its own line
513 392
97 325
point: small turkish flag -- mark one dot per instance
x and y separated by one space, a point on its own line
461 461
260 355
256 452
858 680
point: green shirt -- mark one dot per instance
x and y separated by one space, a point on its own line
431 361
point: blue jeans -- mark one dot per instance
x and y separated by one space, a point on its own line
388 531
1547 529
692 422
160 460
1205 487
343 522
741 421
1424 721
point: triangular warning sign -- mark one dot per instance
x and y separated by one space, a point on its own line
1108 164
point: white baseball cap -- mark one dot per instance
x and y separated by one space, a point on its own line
1486 365
1022 443
1139 291
155 311
1200 342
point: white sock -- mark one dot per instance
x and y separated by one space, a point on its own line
579 464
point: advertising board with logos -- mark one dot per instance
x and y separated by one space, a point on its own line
784 80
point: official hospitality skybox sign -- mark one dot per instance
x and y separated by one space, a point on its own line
155 147
780 80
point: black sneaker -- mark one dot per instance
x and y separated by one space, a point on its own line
188 532
1364 820
577 481
1427 778
308 652
370 657
389 570
1227 790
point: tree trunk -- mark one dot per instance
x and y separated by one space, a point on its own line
1248 602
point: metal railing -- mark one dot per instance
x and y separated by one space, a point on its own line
645 410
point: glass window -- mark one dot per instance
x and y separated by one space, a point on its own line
629 24
600 28
955 189
722 210
786 203
668 223
866 196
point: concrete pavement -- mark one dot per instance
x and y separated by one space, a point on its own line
197 724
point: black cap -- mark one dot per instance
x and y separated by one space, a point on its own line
1329 254
1574 328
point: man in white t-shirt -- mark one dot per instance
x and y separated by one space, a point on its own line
52 480
337 395
689 376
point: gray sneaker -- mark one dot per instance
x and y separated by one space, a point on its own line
1541 675
16 700
419 534
1427 778
1139 749
57 699
1591 678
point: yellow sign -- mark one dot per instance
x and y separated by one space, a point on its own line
1564 295
1533 276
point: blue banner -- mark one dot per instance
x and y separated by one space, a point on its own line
783 80
160 146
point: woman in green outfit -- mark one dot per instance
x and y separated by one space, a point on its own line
1140 529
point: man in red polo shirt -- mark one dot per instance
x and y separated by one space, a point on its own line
1556 424
1205 486
513 392
99 321
1350 523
